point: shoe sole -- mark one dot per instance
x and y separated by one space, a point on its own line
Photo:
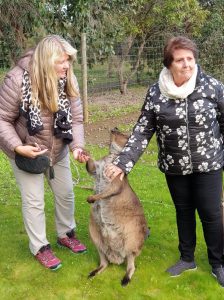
193 269
213 274
55 268
64 247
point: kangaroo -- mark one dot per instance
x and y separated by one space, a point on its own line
117 225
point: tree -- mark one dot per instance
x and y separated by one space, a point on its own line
19 22
212 39
92 17
147 19
120 24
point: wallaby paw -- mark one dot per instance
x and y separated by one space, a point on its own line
90 199
125 281
93 273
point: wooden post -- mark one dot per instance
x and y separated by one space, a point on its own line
84 78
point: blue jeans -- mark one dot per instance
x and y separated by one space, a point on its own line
201 192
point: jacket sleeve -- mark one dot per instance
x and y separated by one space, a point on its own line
77 122
140 137
221 108
10 92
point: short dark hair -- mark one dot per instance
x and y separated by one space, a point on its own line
179 42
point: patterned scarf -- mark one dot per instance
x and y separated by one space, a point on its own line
62 118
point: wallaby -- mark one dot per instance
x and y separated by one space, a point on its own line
117 225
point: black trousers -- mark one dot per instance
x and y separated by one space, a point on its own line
201 192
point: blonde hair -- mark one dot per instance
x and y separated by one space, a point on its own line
44 79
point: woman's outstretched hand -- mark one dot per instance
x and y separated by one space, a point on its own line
80 155
112 171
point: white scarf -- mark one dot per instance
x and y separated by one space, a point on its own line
169 89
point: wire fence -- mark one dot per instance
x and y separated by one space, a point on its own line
104 76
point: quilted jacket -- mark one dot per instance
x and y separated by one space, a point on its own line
189 131
13 129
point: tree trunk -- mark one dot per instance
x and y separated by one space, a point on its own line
84 78
125 49
110 67
123 82
124 87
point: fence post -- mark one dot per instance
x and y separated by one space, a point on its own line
84 78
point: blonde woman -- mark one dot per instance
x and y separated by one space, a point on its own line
41 114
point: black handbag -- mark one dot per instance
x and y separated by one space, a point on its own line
36 165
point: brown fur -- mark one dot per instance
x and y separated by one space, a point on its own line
117 226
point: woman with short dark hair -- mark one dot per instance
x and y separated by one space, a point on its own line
186 110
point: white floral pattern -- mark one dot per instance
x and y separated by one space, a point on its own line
189 131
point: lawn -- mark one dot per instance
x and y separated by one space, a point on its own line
22 277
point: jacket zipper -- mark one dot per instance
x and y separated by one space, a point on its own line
188 135
51 168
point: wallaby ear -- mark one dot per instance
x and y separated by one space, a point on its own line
115 130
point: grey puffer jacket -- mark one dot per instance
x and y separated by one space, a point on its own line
189 131
13 129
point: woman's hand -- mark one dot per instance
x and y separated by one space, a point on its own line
31 151
112 171
80 155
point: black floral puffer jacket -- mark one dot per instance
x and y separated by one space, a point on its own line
189 131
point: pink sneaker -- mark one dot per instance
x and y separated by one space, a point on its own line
46 257
72 243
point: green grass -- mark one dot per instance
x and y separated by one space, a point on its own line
2 74
108 112
22 277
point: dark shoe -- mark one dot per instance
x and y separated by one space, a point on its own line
46 257
71 242
180 267
218 273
